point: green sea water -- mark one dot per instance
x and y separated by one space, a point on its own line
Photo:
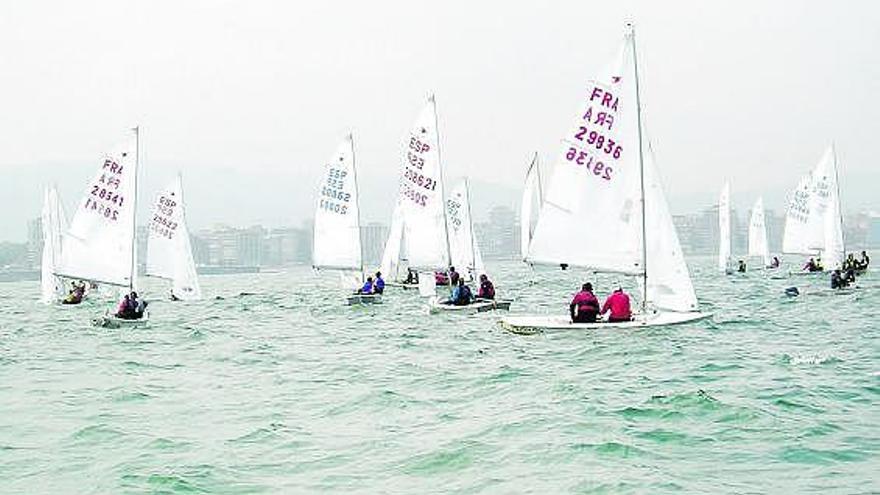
284 389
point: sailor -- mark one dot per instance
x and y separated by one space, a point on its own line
837 281
811 266
487 289
174 296
453 276
140 305
774 263
461 294
618 305
849 263
586 304
124 309
367 288
864 262
849 277
819 266
412 276
75 296
741 267
379 285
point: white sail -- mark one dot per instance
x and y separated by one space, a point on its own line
797 237
421 194
827 222
53 224
462 240
668 279
531 188
169 251
590 213
724 228
337 238
758 245
392 255
100 244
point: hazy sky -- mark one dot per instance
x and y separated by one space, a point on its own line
248 98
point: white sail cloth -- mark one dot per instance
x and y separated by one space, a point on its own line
393 255
100 244
465 252
591 214
421 194
337 237
53 225
531 188
724 228
169 250
758 245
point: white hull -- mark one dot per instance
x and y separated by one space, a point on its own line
356 299
402 285
536 323
110 321
475 307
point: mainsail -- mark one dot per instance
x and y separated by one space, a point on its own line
169 251
337 236
393 255
605 209
100 244
465 252
724 228
797 237
421 194
54 223
531 188
758 233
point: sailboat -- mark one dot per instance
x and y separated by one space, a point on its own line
169 251
100 244
54 222
531 189
418 226
814 220
465 252
395 264
337 244
605 177
758 246
724 230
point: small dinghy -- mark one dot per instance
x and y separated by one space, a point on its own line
437 306
536 324
606 177
111 321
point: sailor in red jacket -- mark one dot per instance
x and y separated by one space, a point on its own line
586 304
618 304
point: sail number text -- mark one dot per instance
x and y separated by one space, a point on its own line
104 198
332 194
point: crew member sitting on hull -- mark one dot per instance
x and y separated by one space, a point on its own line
774 263
76 294
453 276
367 287
487 289
618 305
131 308
849 263
584 307
811 266
849 277
412 277
864 261
837 281
379 284
741 267
461 294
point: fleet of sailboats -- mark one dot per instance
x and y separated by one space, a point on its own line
605 176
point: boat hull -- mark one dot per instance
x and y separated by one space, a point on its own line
481 306
356 299
542 323
110 321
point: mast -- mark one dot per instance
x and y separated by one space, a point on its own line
839 207
357 200
467 195
632 36
137 167
442 193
